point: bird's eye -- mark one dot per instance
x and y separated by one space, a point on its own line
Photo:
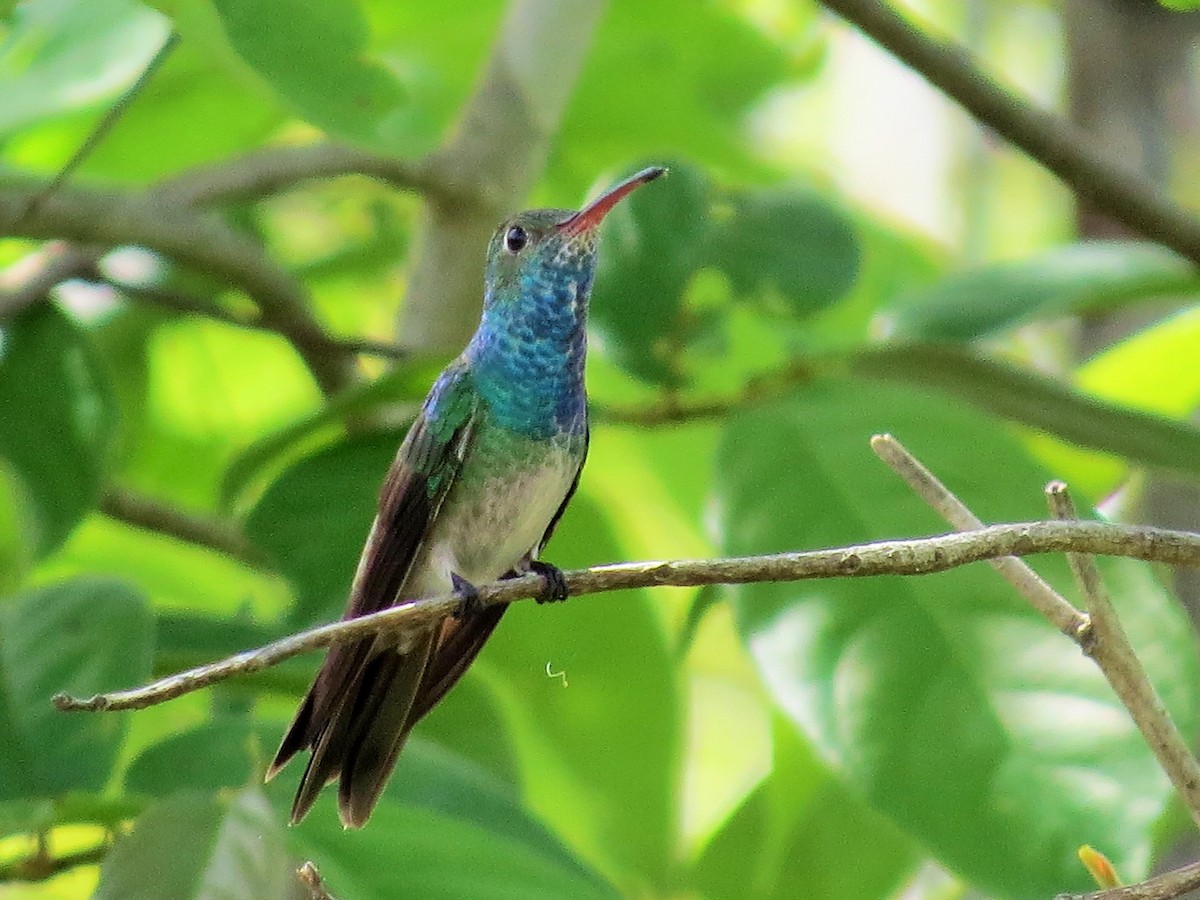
515 239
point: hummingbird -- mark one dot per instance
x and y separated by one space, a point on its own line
473 495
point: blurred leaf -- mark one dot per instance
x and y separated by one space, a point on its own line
600 753
81 637
222 753
651 250
1059 282
796 245
448 831
1154 369
946 702
56 420
408 382
1039 401
319 62
801 827
66 55
194 845
315 517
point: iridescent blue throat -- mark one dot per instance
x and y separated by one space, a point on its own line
527 356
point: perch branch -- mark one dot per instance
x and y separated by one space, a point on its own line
308 876
1052 141
907 557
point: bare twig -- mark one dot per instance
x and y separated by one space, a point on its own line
1108 646
1161 887
308 876
1052 141
143 512
908 557
1065 617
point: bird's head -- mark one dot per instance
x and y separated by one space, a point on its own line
543 250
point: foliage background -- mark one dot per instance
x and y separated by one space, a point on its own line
837 252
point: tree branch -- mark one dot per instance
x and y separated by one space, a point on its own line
197 240
1054 142
41 866
907 557
215 534
1161 887
308 876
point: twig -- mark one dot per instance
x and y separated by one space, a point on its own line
103 127
41 866
1065 617
907 557
1161 887
143 512
1055 143
1108 646
308 876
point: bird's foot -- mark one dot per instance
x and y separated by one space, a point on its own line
556 589
469 603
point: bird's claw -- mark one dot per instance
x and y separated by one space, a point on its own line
469 603
556 589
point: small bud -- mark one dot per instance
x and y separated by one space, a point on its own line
1102 870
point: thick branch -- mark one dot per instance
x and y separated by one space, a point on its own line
1052 141
910 557
143 512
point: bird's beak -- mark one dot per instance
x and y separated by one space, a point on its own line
592 214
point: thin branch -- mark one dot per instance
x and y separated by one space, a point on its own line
310 335
1108 646
1162 887
308 876
907 557
1054 142
272 170
104 126
41 866
215 534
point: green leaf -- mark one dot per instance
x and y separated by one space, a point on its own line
56 421
651 250
1039 401
66 55
800 827
315 517
319 63
1059 282
81 637
222 753
795 245
194 845
945 702
447 831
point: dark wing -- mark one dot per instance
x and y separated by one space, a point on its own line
358 684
